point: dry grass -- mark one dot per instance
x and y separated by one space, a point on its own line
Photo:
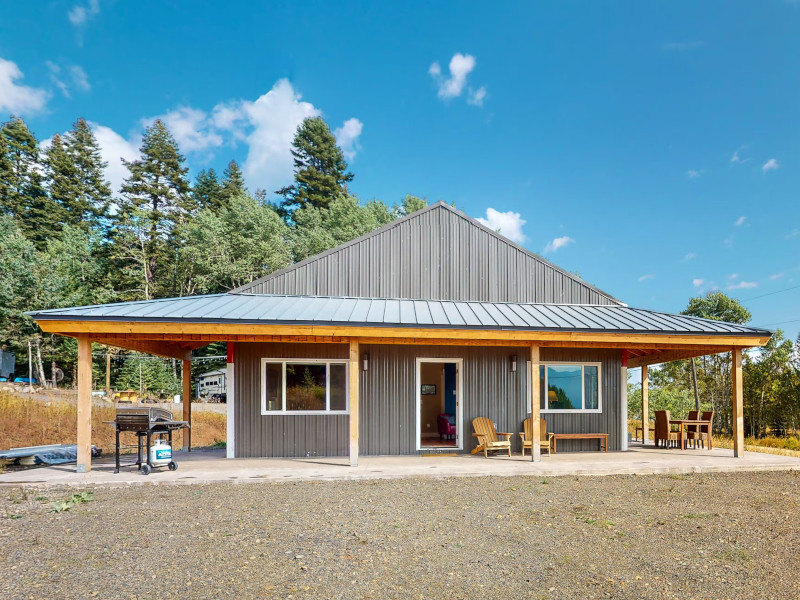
769 445
26 422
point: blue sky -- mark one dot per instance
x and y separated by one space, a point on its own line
650 147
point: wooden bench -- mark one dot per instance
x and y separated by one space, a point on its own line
603 437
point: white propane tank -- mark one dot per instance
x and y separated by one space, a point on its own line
160 453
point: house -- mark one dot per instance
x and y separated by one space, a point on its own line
356 350
213 382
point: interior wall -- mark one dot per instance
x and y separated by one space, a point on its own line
433 405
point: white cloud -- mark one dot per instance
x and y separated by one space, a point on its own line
461 65
113 148
689 256
80 78
692 174
792 233
15 98
770 165
775 276
508 224
228 117
477 97
736 159
698 282
55 77
80 14
347 137
645 277
743 285
192 128
557 243
739 222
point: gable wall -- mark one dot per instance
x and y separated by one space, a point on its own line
434 255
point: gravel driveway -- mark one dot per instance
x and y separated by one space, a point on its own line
695 536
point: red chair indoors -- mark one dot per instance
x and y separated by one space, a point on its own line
445 428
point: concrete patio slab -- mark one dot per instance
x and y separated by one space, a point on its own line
208 466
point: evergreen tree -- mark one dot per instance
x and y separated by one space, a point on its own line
232 182
87 199
24 196
207 190
156 202
320 171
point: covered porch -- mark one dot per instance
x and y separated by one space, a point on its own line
174 327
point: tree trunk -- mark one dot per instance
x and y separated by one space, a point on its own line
694 382
39 365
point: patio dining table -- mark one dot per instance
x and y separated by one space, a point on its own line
682 423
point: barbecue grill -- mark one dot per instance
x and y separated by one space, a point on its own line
146 422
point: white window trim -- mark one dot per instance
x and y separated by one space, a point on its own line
304 361
577 411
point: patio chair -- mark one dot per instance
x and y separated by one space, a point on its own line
692 431
664 432
545 438
487 437
701 433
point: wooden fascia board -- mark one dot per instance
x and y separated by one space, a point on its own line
222 331
665 356
176 350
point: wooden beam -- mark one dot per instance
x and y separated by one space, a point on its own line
738 404
186 376
664 356
84 404
222 331
536 432
355 373
645 407
173 349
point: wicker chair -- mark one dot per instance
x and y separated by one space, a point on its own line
701 433
487 437
692 431
663 431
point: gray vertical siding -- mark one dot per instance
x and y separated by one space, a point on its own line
434 254
388 399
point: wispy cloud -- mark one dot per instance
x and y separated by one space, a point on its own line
682 46
738 160
557 243
689 256
743 285
697 282
792 233
78 79
461 65
645 277
507 223
770 165
693 174
775 276
16 98
740 221
81 13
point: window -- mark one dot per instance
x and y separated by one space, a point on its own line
303 386
569 387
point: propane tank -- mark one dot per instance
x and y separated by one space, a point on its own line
160 453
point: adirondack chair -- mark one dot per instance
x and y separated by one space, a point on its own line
545 438
487 437
664 432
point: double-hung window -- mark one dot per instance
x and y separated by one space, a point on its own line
303 386
570 387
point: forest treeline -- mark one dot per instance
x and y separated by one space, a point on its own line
68 239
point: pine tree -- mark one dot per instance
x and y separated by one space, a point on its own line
24 195
156 202
232 182
207 190
86 201
320 173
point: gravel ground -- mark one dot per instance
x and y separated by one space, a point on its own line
695 536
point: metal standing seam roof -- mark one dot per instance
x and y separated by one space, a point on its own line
393 312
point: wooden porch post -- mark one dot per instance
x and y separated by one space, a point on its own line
84 404
353 392
536 450
623 401
738 404
645 407
186 376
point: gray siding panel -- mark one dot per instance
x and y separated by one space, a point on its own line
388 399
436 254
